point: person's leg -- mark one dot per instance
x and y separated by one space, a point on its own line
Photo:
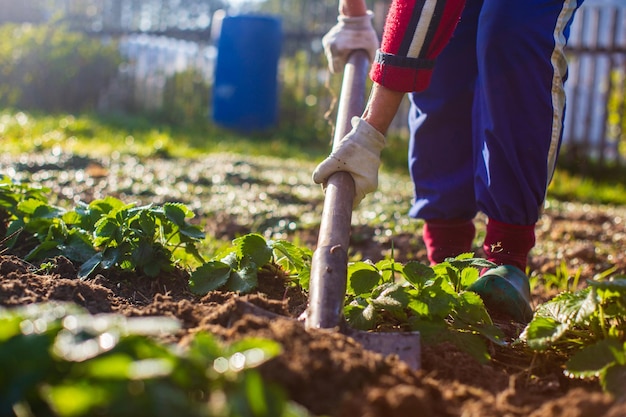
518 117
518 121
440 150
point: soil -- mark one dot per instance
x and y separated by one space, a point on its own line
325 371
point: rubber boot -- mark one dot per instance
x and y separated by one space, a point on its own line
505 289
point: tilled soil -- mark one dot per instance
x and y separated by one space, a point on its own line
326 372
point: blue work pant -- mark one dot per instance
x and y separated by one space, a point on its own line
486 133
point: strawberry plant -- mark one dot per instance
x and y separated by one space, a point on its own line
138 238
59 360
431 300
30 223
588 326
102 234
238 269
13 197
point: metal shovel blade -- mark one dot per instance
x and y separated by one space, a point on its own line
329 266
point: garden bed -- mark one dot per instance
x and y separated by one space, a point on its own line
325 372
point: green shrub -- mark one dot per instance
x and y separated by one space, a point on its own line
50 68
186 99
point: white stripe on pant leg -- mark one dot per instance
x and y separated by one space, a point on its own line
422 29
559 64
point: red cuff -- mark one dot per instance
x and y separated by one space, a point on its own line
403 79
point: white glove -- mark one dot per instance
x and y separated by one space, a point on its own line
357 153
348 35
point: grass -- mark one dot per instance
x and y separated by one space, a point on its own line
94 135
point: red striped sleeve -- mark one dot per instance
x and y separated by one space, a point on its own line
416 31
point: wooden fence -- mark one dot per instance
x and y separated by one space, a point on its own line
596 88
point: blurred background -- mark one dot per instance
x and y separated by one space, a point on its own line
176 61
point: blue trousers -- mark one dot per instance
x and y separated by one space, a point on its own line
486 133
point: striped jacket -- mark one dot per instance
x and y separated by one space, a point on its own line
416 31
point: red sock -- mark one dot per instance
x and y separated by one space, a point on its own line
509 244
447 238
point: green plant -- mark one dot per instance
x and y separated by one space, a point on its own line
562 280
11 195
59 360
186 99
431 300
51 68
588 326
102 234
137 238
26 216
238 270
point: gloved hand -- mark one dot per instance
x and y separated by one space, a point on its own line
349 34
357 153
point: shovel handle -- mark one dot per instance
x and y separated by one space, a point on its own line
329 266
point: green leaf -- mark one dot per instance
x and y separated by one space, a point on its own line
471 309
431 332
467 260
76 399
231 260
418 274
106 205
72 218
569 307
147 224
362 278
434 332
439 296
419 307
193 232
175 213
243 281
360 315
389 269
614 380
304 278
591 360
88 268
37 208
114 366
613 291
453 276
78 246
105 229
468 277
291 253
111 257
143 254
152 269
46 249
393 297
209 277
9 325
255 247
541 332
470 343
205 348
616 284
490 332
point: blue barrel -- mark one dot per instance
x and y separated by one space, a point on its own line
245 91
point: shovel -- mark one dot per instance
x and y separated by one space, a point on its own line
329 267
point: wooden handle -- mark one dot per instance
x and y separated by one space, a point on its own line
329 266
